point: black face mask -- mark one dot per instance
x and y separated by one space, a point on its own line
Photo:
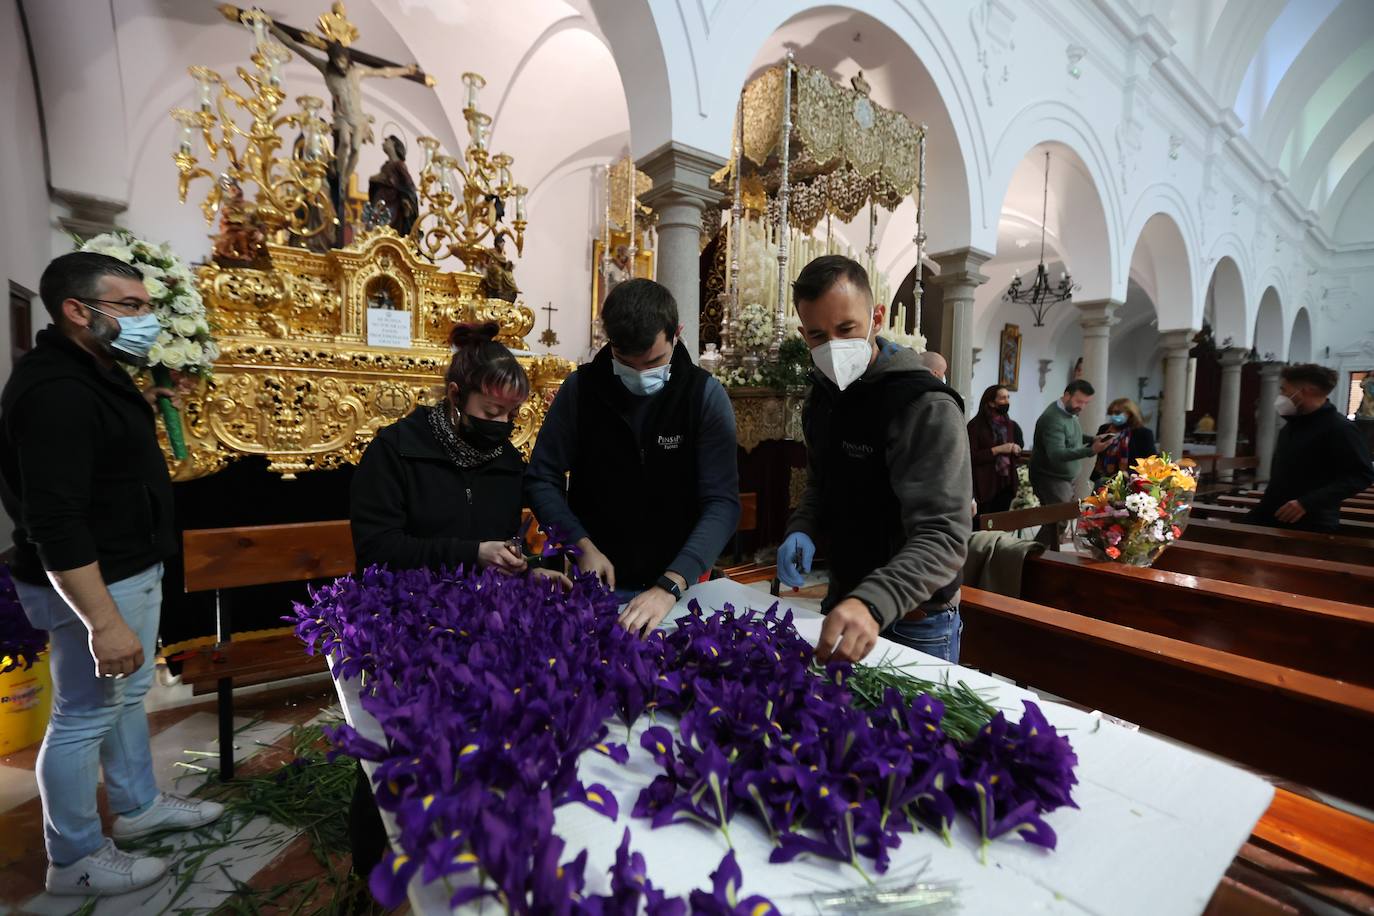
485 434
1003 409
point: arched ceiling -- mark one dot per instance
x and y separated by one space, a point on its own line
1299 74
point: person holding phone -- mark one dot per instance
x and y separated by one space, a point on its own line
1130 440
1059 448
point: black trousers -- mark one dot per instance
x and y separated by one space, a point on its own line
366 834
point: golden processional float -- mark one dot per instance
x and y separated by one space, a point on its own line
806 150
321 346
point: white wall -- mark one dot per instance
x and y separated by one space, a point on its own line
24 218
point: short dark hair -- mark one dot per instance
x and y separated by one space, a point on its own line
634 314
77 276
1079 386
824 272
481 364
1320 377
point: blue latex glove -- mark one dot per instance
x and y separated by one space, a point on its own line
788 573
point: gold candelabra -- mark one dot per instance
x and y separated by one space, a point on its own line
463 201
292 192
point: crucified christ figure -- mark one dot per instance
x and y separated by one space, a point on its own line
343 72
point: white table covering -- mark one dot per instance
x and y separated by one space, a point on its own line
1156 829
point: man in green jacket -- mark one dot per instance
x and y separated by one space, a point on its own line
1058 449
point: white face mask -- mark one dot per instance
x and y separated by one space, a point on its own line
843 361
1284 407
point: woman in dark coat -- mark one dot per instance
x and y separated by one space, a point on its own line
442 487
994 441
1134 440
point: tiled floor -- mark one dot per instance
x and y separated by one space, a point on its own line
262 855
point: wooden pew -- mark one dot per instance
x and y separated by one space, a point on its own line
1327 638
1358 501
1351 513
1301 726
1348 582
1336 547
218 559
1241 513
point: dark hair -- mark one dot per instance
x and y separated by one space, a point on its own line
1320 377
634 314
824 272
481 364
1079 386
400 145
77 276
988 394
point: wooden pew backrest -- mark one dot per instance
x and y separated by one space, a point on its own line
1352 583
1308 634
1300 726
218 558
1016 519
1313 544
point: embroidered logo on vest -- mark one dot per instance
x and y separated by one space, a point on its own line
668 443
856 450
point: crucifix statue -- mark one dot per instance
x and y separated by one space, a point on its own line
550 337
343 69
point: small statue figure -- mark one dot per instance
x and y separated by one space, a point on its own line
240 240
498 282
393 187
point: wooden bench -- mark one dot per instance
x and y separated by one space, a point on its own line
1326 638
1361 500
221 559
1317 545
1311 729
1351 583
1019 519
1242 513
1348 513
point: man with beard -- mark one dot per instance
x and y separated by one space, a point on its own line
83 478
1059 448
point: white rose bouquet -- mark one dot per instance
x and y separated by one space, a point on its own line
186 346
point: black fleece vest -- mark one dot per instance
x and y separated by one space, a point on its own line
861 518
637 498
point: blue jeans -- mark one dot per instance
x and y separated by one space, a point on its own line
96 722
938 634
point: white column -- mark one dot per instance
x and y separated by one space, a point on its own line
681 193
1266 419
1228 408
1176 346
1096 319
959 278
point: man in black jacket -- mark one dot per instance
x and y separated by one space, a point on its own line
83 477
1319 460
646 440
889 487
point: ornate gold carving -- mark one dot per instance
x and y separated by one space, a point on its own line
296 381
762 414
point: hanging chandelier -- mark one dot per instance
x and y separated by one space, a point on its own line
1041 295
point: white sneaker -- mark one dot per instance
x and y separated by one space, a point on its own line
104 873
169 812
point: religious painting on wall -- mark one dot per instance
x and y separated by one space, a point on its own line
616 269
1009 358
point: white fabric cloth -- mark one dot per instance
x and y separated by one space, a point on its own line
1156 828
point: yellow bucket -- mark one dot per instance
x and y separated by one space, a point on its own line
25 702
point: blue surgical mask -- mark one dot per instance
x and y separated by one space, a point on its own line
650 381
137 333
1118 419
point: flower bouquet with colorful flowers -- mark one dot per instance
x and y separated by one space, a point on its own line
185 349
20 643
1138 513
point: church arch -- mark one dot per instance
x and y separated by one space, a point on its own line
1268 341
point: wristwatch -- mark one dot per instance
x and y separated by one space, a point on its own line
668 585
